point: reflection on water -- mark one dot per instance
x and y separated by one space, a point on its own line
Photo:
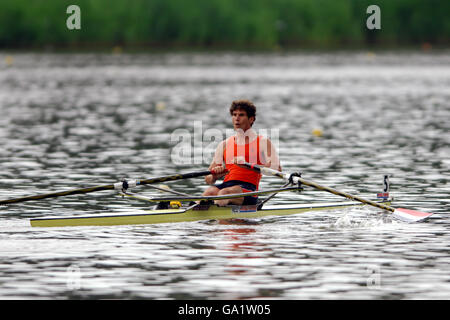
70 120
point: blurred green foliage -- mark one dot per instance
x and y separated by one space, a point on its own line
223 23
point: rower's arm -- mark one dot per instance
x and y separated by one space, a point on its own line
217 161
270 155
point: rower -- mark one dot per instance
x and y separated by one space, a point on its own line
245 146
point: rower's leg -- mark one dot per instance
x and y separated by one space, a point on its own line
229 190
211 191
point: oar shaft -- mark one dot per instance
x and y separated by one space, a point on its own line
343 194
58 194
105 187
295 179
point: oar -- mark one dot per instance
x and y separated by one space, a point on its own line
399 213
220 197
117 186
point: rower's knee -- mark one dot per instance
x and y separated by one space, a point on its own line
230 190
211 191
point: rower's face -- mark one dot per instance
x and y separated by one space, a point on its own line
241 120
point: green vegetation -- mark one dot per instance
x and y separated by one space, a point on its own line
266 24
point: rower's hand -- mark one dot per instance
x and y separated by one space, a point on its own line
218 171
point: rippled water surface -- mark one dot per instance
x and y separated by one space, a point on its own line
72 120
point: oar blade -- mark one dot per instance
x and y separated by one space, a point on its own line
408 215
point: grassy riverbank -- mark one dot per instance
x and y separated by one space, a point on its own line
265 24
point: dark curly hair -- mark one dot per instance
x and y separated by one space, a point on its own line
245 105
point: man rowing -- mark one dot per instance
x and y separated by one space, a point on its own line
246 145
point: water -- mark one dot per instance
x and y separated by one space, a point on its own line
72 120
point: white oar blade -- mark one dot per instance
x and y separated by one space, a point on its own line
410 215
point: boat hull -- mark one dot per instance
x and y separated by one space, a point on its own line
186 215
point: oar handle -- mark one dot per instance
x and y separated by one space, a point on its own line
174 177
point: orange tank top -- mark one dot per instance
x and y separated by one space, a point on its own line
249 151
